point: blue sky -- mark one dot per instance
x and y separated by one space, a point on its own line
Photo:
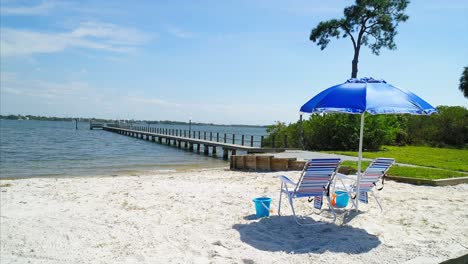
226 62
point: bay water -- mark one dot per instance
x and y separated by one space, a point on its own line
30 148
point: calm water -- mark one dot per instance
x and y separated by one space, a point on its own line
54 148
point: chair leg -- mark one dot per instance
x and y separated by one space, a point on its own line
304 224
280 195
377 200
294 211
332 208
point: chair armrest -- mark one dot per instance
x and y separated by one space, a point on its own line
286 180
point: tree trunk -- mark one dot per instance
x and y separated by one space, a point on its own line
355 63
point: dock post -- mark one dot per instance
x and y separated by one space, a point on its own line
213 151
251 141
211 136
242 141
198 148
261 141
233 152
225 137
191 146
206 150
225 154
198 134
204 135
178 143
160 140
233 138
217 136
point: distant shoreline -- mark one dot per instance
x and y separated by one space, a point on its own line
87 119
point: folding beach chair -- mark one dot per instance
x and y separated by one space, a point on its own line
315 181
369 179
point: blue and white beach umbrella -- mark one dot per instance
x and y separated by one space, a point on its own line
357 96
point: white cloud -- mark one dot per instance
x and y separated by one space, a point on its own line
152 101
180 33
80 98
40 9
88 35
11 84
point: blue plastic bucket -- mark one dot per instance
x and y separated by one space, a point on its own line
342 198
262 206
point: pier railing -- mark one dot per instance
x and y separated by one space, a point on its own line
231 138
195 140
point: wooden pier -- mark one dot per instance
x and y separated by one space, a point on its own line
95 124
190 141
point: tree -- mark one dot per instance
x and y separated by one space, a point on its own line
464 82
371 23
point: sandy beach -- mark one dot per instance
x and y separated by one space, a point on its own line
207 216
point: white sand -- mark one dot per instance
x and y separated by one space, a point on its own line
207 217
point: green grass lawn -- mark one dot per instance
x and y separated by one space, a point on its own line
412 172
441 158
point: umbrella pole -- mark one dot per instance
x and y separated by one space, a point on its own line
301 132
361 136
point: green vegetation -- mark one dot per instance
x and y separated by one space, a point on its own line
464 82
370 23
442 158
332 132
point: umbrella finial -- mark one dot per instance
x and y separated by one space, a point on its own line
365 80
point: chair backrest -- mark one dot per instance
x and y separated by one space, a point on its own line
316 177
374 172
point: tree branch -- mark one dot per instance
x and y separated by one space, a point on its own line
372 34
348 31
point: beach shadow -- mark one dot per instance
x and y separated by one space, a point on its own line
281 233
251 217
350 215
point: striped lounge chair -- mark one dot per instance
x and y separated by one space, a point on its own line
314 181
374 173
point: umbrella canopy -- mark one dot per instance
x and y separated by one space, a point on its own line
357 96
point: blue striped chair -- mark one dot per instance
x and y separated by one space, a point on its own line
374 173
314 181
